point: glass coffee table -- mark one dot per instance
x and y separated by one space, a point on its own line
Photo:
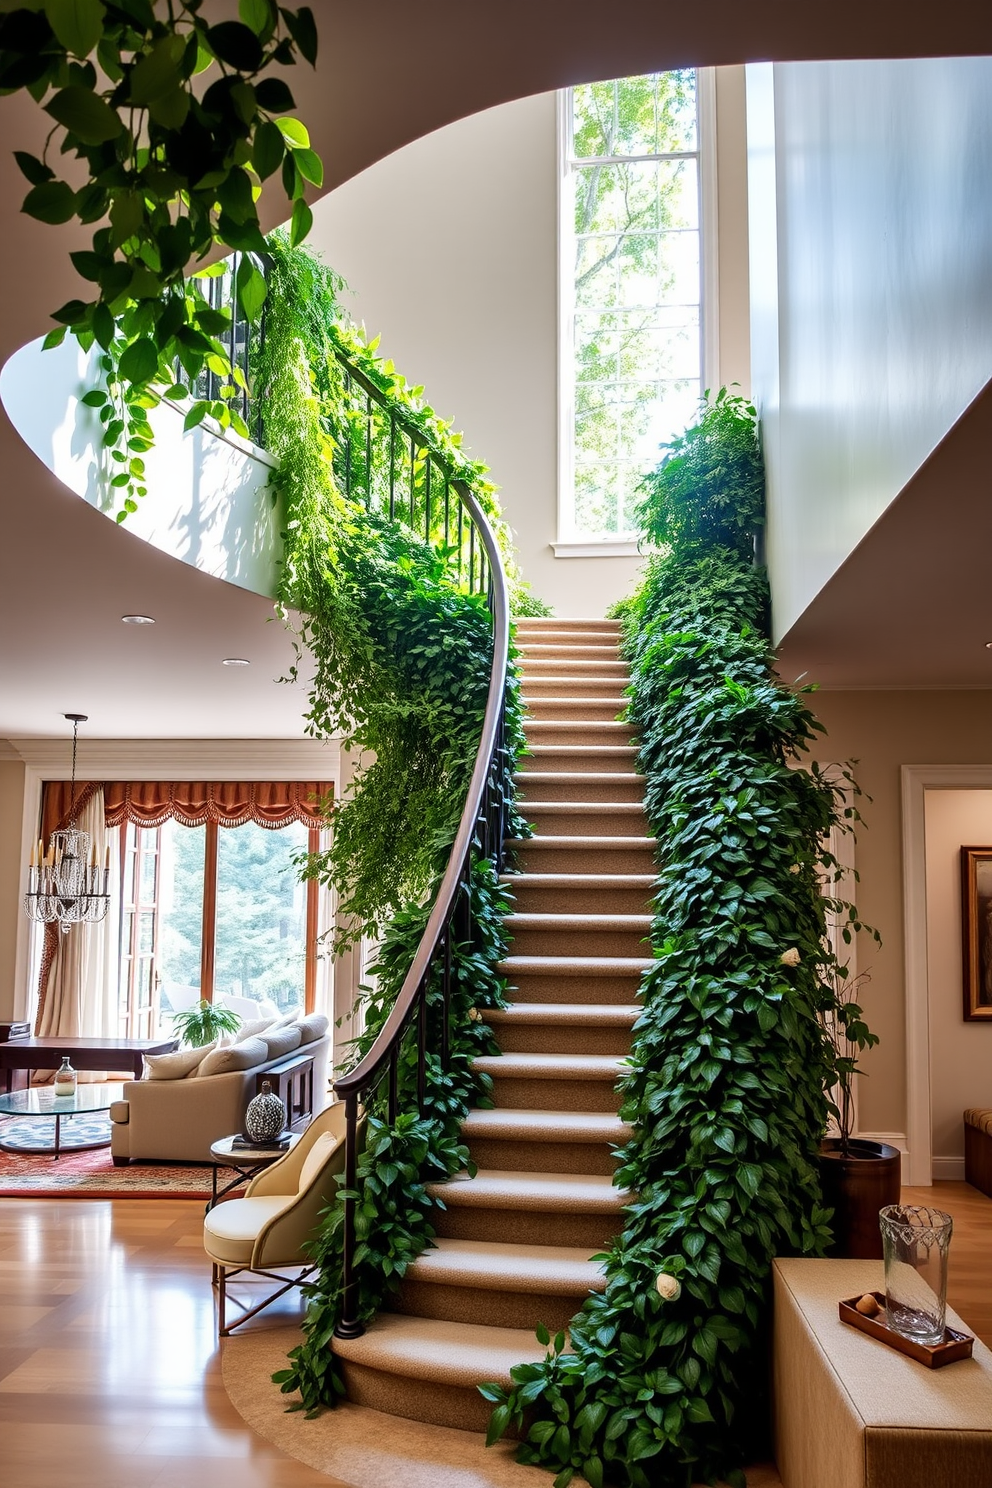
41 1101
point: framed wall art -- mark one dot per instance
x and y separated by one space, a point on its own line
976 922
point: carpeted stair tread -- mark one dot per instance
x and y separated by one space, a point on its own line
547 1126
546 1193
616 726
550 1066
607 778
587 922
579 880
583 808
493 1266
584 1014
600 844
440 1353
581 751
606 966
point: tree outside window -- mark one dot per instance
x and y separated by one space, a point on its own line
632 292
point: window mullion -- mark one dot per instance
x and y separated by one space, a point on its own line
209 933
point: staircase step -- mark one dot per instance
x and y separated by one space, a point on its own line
495 1284
602 786
564 732
579 893
579 758
544 853
573 661
574 709
553 1082
544 627
524 1141
531 1208
581 818
537 686
578 934
429 1370
564 1027
589 979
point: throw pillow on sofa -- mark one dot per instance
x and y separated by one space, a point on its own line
252 1029
280 1041
177 1065
241 1056
312 1027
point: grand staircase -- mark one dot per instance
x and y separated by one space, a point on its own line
515 1243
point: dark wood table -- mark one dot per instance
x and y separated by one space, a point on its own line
84 1054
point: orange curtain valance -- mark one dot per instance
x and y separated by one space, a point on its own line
229 803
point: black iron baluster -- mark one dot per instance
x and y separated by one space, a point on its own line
427 499
446 988
392 463
347 437
234 310
413 481
368 451
422 1041
349 1325
392 1100
471 557
447 512
461 540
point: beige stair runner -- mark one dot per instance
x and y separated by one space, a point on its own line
515 1243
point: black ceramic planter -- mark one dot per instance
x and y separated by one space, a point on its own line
856 1187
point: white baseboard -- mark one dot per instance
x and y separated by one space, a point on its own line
894 1139
948 1169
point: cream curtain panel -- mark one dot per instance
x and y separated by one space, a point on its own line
81 998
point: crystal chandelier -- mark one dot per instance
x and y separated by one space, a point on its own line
66 884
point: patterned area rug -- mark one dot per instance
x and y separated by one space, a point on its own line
91 1174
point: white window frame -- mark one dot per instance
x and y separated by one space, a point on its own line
568 545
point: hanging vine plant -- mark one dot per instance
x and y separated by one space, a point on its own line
175 124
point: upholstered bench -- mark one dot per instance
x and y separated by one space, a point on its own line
978 1149
850 1412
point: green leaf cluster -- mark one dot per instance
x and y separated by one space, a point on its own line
175 123
709 490
205 1021
731 1059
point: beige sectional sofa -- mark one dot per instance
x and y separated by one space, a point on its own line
174 1117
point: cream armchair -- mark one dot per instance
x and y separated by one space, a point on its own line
279 1213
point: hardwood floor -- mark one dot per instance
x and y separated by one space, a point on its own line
109 1372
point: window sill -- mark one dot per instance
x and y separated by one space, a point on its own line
608 548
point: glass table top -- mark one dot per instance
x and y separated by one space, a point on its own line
41 1100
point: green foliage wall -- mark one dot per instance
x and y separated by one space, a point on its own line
730 1062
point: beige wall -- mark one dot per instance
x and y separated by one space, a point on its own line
883 731
960 1051
450 249
11 813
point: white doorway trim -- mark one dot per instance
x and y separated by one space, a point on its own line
916 781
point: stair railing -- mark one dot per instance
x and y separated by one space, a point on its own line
388 462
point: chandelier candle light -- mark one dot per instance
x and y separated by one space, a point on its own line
66 884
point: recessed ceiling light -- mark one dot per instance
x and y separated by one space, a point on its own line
137 620
235 661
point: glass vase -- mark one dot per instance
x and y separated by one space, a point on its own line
65 1078
915 1241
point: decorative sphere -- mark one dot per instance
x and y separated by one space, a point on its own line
265 1117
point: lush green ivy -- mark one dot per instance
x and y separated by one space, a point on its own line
395 1213
400 651
709 490
176 123
731 1060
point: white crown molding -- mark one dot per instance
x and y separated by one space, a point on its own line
182 759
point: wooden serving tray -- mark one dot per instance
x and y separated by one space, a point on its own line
954 1345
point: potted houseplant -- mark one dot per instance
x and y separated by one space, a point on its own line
859 1177
205 1021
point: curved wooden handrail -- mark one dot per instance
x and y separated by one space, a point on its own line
367 1071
